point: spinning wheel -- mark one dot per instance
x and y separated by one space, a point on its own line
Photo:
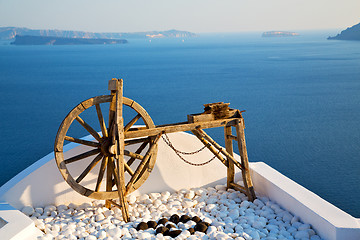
109 154
104 149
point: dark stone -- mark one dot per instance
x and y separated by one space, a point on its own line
174 233
191 230
174 218
163 230
152 224
196 219
170 225
207 224
162 221
184 218
201 227
142 226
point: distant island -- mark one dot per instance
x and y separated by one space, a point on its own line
351 33
41 40
9 33
279 34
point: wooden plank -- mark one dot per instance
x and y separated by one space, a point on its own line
210 147
229 149
216 145
109 174
178 127
120 150
239 188
244 160
83 142
112 109
193 118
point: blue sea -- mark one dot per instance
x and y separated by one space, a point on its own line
301 96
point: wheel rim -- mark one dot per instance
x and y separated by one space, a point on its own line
98 150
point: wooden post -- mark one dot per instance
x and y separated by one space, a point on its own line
229 149
120 149
112 110
244 160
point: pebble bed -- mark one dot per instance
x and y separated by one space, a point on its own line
227 213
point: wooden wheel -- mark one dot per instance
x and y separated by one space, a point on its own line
98 155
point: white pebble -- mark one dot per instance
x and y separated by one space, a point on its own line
99 217
49 208
188 203
131 199
234 213
28 210
229 212
245 204
287 217
154 196
304 227
90 237
315 237
301 234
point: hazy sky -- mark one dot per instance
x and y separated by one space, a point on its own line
191 15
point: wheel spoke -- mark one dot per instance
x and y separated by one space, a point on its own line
114 172
83 142
88 128
132 122
128 169
133 155
142 164
101 120
82 156
109 179
142 146
88 168
137 140
101 173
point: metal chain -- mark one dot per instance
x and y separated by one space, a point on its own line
167 141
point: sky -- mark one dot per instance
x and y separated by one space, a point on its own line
197 16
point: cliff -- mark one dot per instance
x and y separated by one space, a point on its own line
40 40
351 33
9 33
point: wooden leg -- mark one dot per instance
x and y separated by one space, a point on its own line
121 188
229 149
244 161
108 181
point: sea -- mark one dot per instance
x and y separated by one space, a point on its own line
301 96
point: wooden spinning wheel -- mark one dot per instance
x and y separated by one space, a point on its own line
104 150
123 170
